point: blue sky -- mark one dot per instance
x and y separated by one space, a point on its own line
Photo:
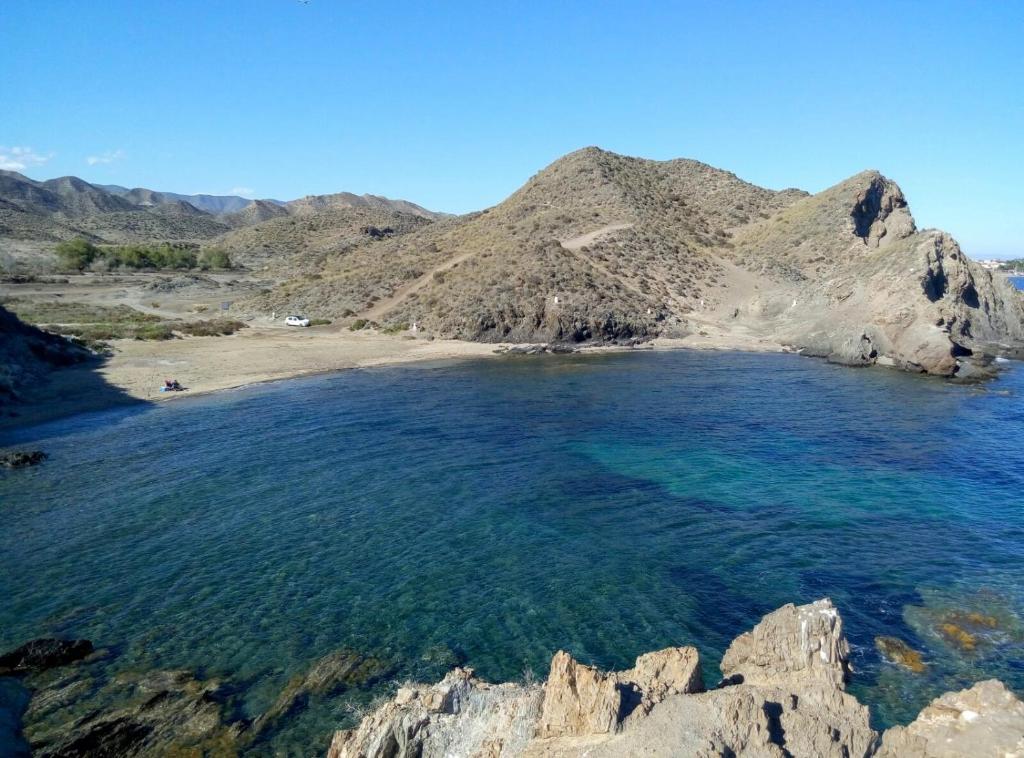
453 105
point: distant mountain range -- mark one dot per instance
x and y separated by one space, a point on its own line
215 204
66 207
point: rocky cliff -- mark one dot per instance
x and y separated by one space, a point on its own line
783 695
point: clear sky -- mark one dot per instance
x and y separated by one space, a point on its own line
453 105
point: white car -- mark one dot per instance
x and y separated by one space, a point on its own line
296 321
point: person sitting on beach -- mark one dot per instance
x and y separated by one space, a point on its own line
171 385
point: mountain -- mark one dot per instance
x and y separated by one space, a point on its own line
604 247
215 204
69 207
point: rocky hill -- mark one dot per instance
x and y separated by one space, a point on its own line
783 695
606 248
296 244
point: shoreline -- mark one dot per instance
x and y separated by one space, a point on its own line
260 355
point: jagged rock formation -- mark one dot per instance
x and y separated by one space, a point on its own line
602 247
784 696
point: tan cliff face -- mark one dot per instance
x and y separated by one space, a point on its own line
600 247
783 696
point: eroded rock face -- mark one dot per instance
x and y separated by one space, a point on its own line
985 720
795 644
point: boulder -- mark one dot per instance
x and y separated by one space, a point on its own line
794 645
42 654
985 720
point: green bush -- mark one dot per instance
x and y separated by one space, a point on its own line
358 324
214 328
76 254
319 322
214 257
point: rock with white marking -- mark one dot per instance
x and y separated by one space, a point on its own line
794 645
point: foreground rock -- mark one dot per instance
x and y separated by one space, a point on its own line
986 719
783 696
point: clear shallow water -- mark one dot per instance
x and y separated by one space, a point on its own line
495 511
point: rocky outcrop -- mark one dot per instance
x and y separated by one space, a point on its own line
581 699
799 645
460 715
783 697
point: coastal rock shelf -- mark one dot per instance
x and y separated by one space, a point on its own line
784 695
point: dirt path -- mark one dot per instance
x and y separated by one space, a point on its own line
576 243
388 303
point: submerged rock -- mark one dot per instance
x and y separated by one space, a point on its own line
342 668
22 458
42 654
898 651
142 714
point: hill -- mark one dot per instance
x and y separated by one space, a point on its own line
300 243
608 248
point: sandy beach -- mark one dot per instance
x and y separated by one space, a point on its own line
136 370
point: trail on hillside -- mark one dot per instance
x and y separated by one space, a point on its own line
575 246
399 295
576 243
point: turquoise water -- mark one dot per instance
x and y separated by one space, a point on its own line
491 512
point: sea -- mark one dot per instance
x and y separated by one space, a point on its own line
488 513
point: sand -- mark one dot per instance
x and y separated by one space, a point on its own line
264 351
261 353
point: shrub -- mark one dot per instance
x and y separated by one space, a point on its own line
219 327
358 324
77 253
214 257
319 322
161 331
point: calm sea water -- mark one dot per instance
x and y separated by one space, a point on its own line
495 511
